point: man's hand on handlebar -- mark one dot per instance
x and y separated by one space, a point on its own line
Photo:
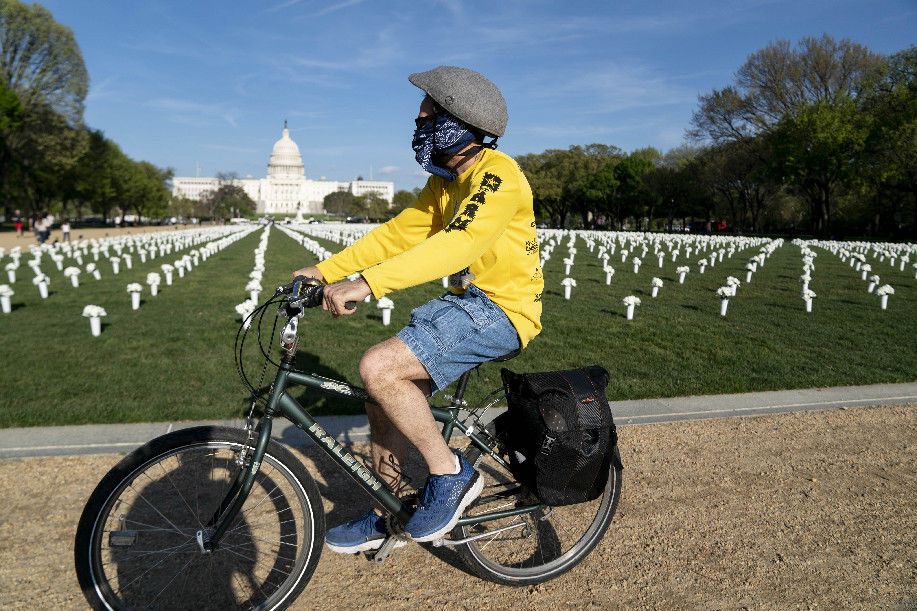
309 272
337 295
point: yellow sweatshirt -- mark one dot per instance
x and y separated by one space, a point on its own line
483 220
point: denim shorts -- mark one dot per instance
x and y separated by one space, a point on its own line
453 333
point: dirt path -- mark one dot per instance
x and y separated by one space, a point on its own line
798 510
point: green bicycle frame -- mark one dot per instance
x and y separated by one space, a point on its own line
281 403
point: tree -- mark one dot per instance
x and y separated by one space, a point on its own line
817 150
736 174
401 200
600 188
227 201
888 168
41 61
779 81
339 203
557 178
10 111
632 198
782 93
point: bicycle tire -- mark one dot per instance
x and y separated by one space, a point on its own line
136 540
538 546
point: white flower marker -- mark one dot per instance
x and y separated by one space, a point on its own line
724 293
883 292
636 263
804 280
873 281
153 280
5 293
445 282
94 313
180 266
631 301
865 269
749 270
115 265
808 296
656 284
127 260
167 272
74 274
245 310
624 254
702 263
609 272
733 283
134 289
42 282
682 272
568 283
11 271
92 269
386 305
253 287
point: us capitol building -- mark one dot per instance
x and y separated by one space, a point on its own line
285 190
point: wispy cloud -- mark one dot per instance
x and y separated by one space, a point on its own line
389 169
281 6
604 89
103 90
184 111
336 7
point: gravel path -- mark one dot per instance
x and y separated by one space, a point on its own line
809 510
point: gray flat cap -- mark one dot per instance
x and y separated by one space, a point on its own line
466 94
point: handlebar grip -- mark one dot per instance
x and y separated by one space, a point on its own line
350 305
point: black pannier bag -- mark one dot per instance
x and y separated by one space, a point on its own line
559 432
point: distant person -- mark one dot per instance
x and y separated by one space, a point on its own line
65 230
17 222
44 224
33 224
118 222
474 223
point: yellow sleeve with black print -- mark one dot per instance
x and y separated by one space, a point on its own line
480 220
411 226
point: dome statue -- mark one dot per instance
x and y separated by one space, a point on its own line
286 159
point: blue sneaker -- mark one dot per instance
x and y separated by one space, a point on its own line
359 535
445 497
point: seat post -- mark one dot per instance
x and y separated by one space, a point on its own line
462 383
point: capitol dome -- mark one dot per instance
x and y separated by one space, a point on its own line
286 159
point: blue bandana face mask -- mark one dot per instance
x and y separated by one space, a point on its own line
445 135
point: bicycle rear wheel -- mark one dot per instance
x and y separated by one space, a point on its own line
532 547
136 542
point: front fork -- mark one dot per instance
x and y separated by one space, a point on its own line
208 537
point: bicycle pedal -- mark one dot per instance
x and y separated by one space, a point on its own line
390 543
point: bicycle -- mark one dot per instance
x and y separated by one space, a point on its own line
215 517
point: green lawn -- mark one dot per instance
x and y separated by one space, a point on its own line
173 358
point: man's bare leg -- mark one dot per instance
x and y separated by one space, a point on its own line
399 383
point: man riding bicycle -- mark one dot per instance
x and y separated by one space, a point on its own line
473 222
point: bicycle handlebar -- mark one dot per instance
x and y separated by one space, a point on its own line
305 294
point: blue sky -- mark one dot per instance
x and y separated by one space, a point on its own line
182 84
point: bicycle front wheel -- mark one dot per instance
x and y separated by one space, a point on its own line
532 547
136 543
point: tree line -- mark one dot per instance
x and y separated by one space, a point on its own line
819 138
49 159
